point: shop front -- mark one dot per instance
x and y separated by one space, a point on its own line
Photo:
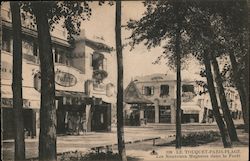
141 108
190 113
101 117
70 119
165 114
77 113
30 112
149 114
71 115
132 116
29 118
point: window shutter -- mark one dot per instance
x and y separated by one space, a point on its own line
152 90
143 90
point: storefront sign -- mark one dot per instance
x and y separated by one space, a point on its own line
65 79
7 102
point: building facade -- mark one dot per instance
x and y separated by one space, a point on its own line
84 93
160 89
155 101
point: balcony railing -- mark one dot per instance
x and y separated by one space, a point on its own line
99 87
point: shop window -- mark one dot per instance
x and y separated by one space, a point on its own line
148 90
188 88
165 114
164 91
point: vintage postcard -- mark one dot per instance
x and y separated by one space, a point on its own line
125 80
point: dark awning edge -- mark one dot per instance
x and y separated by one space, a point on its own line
101 47
70 94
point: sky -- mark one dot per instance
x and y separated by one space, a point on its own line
137 62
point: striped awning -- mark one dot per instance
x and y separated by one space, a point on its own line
191 109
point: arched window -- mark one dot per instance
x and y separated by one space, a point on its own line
37 82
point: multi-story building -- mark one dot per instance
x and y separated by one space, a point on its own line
153 98
157 93
233 102
84 93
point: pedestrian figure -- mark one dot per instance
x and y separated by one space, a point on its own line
153 152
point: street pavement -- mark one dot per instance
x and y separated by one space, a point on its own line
94 139
213 151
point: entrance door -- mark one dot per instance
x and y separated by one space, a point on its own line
150 114
29 120
165 114
60 114
101 118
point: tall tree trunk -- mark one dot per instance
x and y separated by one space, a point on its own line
211 89
17 82
239 83
119 105
178 77
246 73
47 137
223 101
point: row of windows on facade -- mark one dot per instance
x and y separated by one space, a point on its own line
28 23
164 90
30 47
59 54
231 95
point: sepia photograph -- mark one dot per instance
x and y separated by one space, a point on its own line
114 80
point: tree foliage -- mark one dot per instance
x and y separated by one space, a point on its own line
70 13
67 13
157 28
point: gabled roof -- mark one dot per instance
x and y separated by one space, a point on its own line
132 95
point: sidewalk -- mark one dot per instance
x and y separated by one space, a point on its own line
238 152
134 136
81 142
